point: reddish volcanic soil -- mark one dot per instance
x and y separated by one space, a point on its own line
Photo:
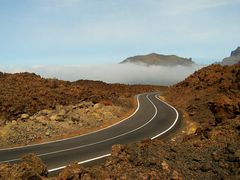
34 109
29 93
208 147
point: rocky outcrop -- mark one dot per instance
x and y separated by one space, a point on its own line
30 167
28 93
233 59
34 109
137 161
192 158
214 94
159 60
75 171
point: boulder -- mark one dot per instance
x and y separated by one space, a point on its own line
97 106
45 112
56 117
74 171
30 167
47 133
24 116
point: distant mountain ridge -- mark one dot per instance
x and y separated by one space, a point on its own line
236 52
159 60
233 59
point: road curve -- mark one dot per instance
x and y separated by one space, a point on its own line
153 118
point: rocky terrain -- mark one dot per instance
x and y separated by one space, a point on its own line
58 123
233 59
159 60
207 146
34 109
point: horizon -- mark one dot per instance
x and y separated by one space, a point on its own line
73 32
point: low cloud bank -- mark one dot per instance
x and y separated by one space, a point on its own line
112 73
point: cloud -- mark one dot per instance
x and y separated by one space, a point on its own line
112 73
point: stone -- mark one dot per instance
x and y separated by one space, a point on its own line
165 167
45 112
75 117
99 122
41 118
62 112
72 171
14 122
117 149
24 116
59 107
237 154
44 123
97 106
56 117
108 115
47 133
36 164
176 176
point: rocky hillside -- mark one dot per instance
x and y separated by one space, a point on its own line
209 100
210 95
34 109
29 93
233 59
159 60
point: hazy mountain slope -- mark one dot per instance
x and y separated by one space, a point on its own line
160 60
233 59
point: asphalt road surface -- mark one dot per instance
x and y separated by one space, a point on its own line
153 118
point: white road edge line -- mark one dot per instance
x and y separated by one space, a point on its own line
19 147
81 162
177 115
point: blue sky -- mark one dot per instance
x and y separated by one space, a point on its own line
72 32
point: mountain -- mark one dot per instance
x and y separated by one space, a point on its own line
233 59
159 60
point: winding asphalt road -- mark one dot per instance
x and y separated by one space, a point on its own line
153 118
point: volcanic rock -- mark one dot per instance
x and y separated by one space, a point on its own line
30 167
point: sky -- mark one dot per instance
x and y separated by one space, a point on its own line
72 32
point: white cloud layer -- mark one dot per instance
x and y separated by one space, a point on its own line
112 73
